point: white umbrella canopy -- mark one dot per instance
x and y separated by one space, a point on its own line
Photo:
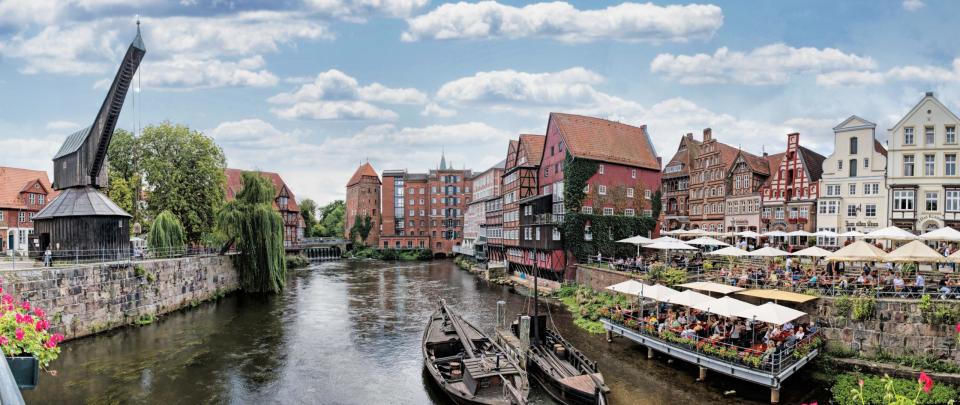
748 234
891 233
725 306
711 287
777 234
943 234
826 234
667 239
812 251
771 313
915 251
706 241
800 233
636 240
858 251
673 232
668 245
954 257
690 298
852 234
729 251
629 287
656 292
768 252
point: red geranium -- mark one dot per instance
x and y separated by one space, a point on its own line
926 381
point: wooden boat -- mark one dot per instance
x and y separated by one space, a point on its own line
467 365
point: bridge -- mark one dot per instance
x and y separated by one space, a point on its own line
318 249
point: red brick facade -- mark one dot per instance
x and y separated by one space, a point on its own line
363 200
23 193
790 193
285 203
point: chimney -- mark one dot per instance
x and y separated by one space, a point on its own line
765 154
929 94
707 134
690 135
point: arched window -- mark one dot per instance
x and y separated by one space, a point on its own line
853 145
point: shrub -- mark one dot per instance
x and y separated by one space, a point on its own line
843 304
166 237
864 307
875 388
296 261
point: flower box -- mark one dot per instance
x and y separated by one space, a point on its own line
802 220
25 370
792 220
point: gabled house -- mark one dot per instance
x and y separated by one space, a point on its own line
790 194
675 186
23 193
285 203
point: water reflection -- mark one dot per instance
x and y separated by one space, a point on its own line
344 333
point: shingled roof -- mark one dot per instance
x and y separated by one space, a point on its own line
773 162
365 170
14 180
533 146
606 141
686 147
814 163
877 146
235 184
81 201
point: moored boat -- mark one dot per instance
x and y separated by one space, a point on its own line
467 365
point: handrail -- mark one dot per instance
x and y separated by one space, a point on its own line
9 391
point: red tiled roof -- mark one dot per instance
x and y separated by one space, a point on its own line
683 156
757 164
14 180
877 146
533 145
814 163
773 161
365 170
235 184
606 141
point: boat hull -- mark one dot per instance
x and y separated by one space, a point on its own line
560 392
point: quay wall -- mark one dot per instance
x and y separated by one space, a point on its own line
897 327
87 299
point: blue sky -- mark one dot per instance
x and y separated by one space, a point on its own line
312 88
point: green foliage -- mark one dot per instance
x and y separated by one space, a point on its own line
928 362
669 276
864 308
576 173
361 229
123 159
656 203
308 210
257 229
121 192
365 252
331 221
883 391
843 304
185 173
25 331
166 237
588 306
296 261
145 319
941 313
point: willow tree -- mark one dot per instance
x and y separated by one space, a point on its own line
256 229
166 235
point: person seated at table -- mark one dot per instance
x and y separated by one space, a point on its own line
813 280
799 334
898 282
788 326
675 323
688 333
888 279
720 328
919 282
682 318
943 286
744 279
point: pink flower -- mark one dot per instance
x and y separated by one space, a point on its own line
26 305
27 319
958 327
42 325
18 317
860 382
50 344
7 299
39 312
4 341
926 381
19 334
56 337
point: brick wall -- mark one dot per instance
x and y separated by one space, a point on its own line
84 300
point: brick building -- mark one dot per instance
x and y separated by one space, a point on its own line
424 210
790 194
708 183
23 193
675 186
363 200
486 187
747 175
285 203
519 182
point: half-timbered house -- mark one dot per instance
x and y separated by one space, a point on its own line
790 193
519 183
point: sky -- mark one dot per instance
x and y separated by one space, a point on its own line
312 88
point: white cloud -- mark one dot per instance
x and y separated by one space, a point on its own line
359 9
30 152
912 5
770 64
62 125
334 95
436 110
76 49
908 73
561 21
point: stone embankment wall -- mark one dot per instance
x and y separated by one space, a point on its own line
88 299
599 279
897 329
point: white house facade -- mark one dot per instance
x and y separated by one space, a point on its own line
924 186
853 191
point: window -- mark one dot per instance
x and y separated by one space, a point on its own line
833 190
586 210
629 192
928 135
778 214
951 134
853 145
951 200
908 165
950 164
852 188
908 136
870 210
607 211
903 200
931 199
602 189
828 207
22 217
851 210
42 198
586 189
853 167
647 194
556 234
871 189
422 212
648 213
839 165
600 169
633 173
412 213
929 161
629 212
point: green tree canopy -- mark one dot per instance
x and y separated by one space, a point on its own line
257 230
332 220
308 210
360 229
166 237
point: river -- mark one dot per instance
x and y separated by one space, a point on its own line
345 332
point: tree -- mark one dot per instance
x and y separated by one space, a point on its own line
256 228
166 237
183 170
656 205
308 210
332 220
123 157
360 229
120 192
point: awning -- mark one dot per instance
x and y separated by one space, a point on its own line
729 251
711 287
943 234
915 251
812 251
778 295
706 241
656 292
768 252
629 287
771 313
725 306
852 234
689 298
891 233
858 251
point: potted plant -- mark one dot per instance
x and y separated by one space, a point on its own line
26 340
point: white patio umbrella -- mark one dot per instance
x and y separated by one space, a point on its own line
667 239
629 287
852 234
671 232
729 251
748 234
725 306
915 251
711 287
636 241
706 241
858 251
812 251
826 234
768 252
690 298
891 233
668 245
771 313
800 233
775 234
946 233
